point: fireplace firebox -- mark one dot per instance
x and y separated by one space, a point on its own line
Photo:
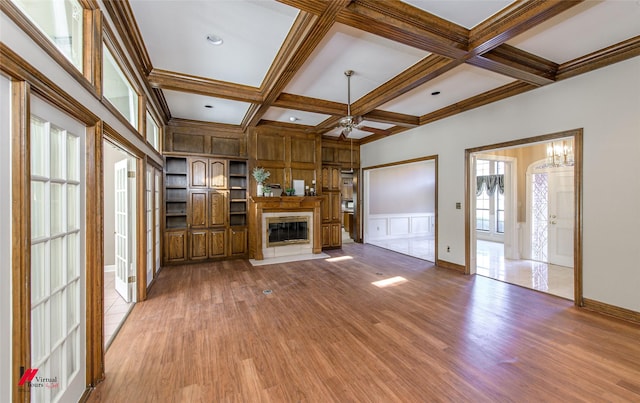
287 230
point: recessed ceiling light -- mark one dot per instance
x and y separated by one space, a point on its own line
209 106
293 119
434 93
214 39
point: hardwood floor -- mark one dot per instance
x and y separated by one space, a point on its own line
208 333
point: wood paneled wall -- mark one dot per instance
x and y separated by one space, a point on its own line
287 154
343 153
184 136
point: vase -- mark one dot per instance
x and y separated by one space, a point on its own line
260 190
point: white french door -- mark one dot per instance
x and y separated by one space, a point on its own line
561 217
552 215
157 175
58 325
149 198
121 194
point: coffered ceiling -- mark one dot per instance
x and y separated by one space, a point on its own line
414 61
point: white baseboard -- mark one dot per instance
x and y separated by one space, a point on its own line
110 268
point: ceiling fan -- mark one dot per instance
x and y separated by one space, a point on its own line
349 122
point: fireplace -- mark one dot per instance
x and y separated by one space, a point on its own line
286 233
303 238
287 230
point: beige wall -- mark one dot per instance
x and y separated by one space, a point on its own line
403 189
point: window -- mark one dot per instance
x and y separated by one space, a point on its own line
483 204
118 90
61 21
490 208
153 132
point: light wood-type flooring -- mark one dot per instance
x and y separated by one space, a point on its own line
366 325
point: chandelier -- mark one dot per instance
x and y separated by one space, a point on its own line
559 154
349 122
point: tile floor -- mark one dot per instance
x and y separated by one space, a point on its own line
549 278
422 247
115 308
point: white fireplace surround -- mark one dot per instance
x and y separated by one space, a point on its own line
286 250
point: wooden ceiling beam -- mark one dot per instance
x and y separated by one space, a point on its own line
399 119
425 70
401 22
374 130
485 98
516 63
170 80
308 36
601 58
512 21
308 104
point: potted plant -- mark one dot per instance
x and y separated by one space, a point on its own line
290 191
260 175
267 190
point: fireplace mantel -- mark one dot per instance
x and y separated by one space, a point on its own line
260 205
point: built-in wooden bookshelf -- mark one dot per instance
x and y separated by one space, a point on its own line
205 208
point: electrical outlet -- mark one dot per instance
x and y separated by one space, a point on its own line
448 248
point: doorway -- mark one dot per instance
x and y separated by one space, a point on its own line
400 212
120 201
544 188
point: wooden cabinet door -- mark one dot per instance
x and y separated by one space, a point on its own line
198 172
335 178
347 188
217 208
218 174
238 241
325 208
175 246
326 178
336 234
335 206
218 243
198 245
326 235
197 209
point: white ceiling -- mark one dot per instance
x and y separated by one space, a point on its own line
467 13
463 82
580 30
373 59
174 33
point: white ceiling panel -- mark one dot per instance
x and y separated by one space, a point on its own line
191 106
303 118
467 13
463 82
373 59
583 29
252 31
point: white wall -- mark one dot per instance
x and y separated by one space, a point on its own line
606 104
5 241
406 188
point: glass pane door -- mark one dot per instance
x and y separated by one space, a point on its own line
57 281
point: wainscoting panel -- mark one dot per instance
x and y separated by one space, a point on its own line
381 226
